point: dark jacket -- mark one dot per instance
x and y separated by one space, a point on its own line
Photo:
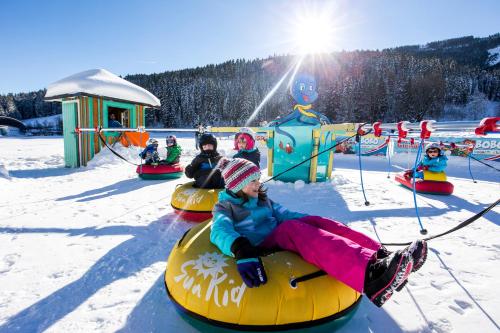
114 124
201 169
249 155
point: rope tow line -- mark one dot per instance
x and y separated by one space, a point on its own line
488 165
319 273
459 226
113 151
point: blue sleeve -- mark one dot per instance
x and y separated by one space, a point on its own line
439 164
223 234
424 162
283 214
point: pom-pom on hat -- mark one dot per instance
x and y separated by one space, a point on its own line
237 173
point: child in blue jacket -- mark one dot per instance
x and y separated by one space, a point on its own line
434 160
150 153
246 223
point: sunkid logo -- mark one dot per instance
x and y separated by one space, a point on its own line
210 265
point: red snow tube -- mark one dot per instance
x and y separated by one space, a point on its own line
426 186
162 171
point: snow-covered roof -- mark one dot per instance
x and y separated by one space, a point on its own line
100 82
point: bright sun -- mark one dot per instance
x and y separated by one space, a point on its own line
313 34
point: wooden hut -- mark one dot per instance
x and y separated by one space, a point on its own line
89 100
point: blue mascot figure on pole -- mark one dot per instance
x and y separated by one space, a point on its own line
293 140
303 91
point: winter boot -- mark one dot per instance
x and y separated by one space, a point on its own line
383 252
385 275
418 251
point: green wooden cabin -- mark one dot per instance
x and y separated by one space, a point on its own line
88 100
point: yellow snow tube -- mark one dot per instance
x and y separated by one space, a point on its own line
205 283
194 204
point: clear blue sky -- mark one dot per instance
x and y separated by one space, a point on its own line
44 41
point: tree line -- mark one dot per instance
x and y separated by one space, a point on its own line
404 83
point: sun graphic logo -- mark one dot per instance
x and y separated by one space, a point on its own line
210 266
190 195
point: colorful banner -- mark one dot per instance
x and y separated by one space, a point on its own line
487 148
370 145
482 148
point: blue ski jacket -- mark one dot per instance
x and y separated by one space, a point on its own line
150 154
436 164
254 219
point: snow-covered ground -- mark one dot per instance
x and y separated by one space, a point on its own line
85 249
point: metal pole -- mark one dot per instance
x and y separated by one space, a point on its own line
423 231
358 138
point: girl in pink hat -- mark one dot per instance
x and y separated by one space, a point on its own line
246 223
244 143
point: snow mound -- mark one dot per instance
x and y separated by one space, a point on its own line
100 82
4 173
299 184
106 158
339 180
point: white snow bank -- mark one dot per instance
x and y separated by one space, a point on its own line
50 121
102 83
107 158
4 173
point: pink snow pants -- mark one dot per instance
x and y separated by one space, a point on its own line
341 252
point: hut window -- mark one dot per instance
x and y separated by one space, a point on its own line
119 114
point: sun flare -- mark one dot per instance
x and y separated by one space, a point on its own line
313 34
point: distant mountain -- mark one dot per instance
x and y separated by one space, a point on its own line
457 78
468 50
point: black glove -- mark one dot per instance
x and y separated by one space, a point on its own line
243 249
249 264
197 162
